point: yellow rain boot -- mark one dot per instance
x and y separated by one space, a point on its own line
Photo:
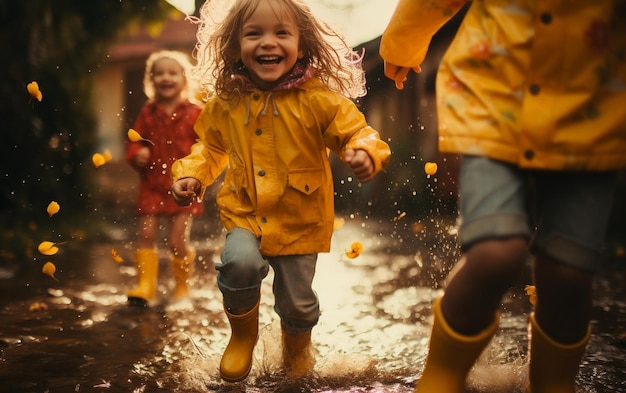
237 359
298 355
553 366
451 355
182 269
147 261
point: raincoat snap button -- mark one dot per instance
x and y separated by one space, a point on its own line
306 188
529 154
546 18
258 131
261 172
263 219
534 89
255 97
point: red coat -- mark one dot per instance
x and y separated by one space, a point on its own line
172 137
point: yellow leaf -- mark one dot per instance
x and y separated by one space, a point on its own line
37 306
430 168
48 248
531 291
399 216
339 222
116 257
106 154
49 269
355 250
134 136
33 90
53 208
417 227
98 160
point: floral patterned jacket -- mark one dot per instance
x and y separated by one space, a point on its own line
541 84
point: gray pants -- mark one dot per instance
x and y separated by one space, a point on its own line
243 268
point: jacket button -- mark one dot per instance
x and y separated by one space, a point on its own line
264 219
534 89
255 97
545 18
529 154
306 188
258 131
261 172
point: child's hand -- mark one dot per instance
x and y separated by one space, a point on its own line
143 157
361 164
398 74
185 189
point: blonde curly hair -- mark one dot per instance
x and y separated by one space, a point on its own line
218 52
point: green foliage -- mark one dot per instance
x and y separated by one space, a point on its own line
46 146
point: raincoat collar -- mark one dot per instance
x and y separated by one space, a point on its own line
299 74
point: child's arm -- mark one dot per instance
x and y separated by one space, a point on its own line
361 164
407 37
185 190
348 135
142 157
138 153
207 157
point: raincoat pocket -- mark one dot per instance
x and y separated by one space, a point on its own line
306 181
303 200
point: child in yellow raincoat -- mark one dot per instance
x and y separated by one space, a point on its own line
526 91
278 80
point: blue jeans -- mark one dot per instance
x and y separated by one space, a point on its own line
566 212
243 268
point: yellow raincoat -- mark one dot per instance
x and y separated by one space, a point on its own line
279 183
541 84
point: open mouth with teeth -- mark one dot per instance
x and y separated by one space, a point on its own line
268 60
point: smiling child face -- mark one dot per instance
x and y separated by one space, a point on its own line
168 79
269 44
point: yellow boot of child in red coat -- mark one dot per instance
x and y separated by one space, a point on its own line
147 261
182 269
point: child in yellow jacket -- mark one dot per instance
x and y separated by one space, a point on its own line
279 82
527 93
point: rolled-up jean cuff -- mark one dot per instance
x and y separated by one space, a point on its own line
496 226
565 250
297 330
239 298
298 326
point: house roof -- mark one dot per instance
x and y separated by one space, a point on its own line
176 33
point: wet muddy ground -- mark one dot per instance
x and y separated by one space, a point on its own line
80 335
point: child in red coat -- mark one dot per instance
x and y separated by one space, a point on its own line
166 122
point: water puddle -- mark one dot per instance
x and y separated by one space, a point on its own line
81 336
